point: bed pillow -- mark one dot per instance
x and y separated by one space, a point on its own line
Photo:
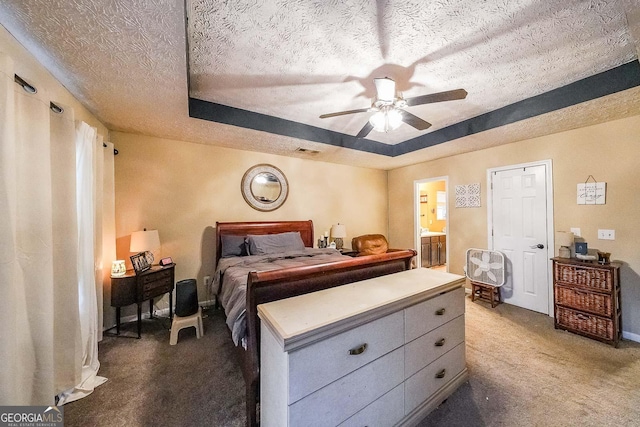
272 243
233 246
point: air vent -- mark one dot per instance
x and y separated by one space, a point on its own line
306 150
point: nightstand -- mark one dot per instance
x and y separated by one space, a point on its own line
136 289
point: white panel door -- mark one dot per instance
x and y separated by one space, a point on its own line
520 232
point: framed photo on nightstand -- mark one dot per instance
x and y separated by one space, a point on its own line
140 263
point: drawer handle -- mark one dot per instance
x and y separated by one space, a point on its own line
358 350
440 312
583 316
441 374
440 342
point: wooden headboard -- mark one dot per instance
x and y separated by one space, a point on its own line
262 227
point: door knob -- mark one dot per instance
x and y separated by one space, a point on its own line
538 246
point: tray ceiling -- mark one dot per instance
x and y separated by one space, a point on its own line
256 74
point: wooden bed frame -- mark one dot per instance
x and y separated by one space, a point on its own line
284 283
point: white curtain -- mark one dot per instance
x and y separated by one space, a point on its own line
88 168
49 305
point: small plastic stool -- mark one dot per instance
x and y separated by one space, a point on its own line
179 323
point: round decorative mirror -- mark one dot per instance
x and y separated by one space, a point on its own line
264 187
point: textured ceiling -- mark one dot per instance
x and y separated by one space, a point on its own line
128 62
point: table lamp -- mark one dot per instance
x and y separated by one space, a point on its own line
564 239
338 232
145 240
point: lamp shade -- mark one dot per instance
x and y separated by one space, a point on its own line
564 238
339 231
146 240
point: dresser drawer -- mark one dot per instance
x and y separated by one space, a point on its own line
587 323
430 379
592 277
384 412
428 315
151 290
321 363
583 300
343 398
427 348
156 276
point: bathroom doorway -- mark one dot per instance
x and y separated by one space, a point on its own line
431 229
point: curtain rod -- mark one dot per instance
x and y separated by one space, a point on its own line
29 88
54 107
115 150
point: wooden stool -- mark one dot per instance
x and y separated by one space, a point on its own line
484 292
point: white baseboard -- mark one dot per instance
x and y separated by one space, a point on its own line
630 336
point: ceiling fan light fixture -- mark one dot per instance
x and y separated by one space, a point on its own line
386 120
386 89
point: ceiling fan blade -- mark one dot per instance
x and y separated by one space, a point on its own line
342 113
365 130
415 121
449 95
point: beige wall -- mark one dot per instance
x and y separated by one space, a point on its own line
183 188
610 152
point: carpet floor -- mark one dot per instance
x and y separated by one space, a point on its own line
522 372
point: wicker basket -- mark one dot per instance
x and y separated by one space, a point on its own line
588 301
592 325
594 278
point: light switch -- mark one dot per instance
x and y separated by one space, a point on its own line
576 231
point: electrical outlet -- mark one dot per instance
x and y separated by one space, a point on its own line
207 281
576 231
606 234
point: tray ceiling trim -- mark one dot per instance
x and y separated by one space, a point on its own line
617 79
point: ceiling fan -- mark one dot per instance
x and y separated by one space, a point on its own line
389 108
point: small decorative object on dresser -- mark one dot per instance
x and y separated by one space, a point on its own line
140 262
564 239
587 299
118 268
166 261
582 248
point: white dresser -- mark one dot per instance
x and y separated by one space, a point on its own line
379 352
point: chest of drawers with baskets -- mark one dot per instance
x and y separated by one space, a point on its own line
380 352
587 299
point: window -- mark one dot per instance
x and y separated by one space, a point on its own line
441 205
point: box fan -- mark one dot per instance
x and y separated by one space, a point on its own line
486 271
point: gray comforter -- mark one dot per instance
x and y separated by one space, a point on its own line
231 279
